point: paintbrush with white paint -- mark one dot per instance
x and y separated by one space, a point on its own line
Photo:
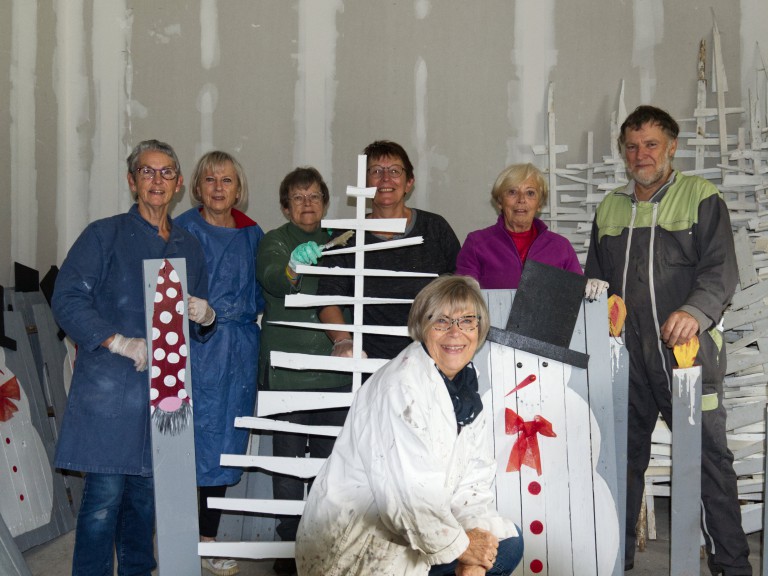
340 240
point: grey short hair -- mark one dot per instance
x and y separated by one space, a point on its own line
151 146
516 174
452 294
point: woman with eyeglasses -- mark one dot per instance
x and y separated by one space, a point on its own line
390 171
99 302
408 487
225 369
303 200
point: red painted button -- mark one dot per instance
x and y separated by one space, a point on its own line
21 497
536 566
15 469
537 527
534 488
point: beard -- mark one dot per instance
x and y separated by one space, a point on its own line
647 177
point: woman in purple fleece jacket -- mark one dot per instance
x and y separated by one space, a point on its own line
494 256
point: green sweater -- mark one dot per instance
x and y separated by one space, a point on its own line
274 252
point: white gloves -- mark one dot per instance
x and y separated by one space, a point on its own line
133 348
343 349
595 288
199 311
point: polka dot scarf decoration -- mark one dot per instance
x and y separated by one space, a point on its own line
169 403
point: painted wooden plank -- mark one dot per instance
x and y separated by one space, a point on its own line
534 488
746 296
394 225
744 416
369 272
283 426
554 451
11 561
247 550
306 300
581 469
686 470
360 192
28 439
747 274
365 329
299 467
257 506
314 362
275 402
620 379
173 455
54 367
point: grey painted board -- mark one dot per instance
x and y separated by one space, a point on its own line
601 399
620 378
173 459
21 362
11 561
764 559
53 354
686 470
747 273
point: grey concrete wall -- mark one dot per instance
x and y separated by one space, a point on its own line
462 85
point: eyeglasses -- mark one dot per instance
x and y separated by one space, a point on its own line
377 172
463 323
299 199
148 173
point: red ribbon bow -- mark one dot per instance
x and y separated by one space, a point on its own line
9 391
526 448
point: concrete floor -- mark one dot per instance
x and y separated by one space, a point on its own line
55 557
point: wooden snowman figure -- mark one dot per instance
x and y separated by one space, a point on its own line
551 451
26 498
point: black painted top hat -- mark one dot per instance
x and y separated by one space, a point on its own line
544 313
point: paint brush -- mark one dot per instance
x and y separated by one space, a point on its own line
340 240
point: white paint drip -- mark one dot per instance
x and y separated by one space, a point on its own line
534 56
209 34
22 133
422 9
109 190
315 92
71 89
686 379
207 99
648 32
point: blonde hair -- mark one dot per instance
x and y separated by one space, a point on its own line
208 163
516 174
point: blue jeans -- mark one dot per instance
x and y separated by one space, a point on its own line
117 514
508 556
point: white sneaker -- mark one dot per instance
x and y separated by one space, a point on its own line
221 566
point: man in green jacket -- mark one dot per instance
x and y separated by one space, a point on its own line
664 244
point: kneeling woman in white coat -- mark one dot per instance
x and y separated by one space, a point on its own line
407 489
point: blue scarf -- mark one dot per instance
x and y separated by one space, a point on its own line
466 401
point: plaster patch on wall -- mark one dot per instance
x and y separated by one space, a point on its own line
425 158
209 34
165 35
422 8
534 56
109 47
754 51
207 99
315 93
648 32
23 175
71 89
